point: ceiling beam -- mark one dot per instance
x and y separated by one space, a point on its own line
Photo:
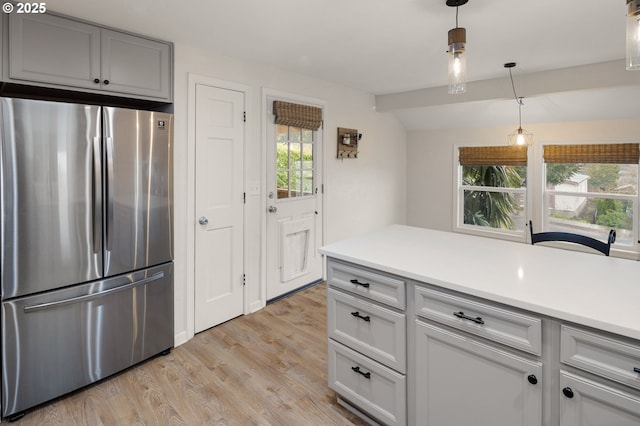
601 75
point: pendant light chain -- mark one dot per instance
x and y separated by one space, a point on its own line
519 100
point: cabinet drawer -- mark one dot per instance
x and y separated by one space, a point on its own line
371 329
500 325
367 283
372 387
604 355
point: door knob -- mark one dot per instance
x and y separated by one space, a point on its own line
203 220
273 209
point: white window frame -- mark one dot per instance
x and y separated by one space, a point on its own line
458 199
617 250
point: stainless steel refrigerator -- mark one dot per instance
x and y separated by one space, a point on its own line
86 234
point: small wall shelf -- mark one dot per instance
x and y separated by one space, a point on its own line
348 143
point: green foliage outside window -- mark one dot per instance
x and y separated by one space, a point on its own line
293 158
487 208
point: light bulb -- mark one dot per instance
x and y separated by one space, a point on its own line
456 64
520 140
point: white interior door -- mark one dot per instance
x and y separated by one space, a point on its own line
218 206
294 206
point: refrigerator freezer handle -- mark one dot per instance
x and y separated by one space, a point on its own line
97 195
87 297
110 179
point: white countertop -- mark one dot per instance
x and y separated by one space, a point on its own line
589 289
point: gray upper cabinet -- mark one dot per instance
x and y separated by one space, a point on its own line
50 49
55 51
137 65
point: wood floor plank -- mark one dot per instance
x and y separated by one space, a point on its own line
267 368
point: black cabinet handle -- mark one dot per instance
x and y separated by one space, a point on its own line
106 82
532 379
461 315
357 370
568 392
357 315
636 370
96 80
356 282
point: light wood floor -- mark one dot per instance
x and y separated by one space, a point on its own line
267 368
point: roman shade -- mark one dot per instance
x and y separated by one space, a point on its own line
297 115
515 155
620 153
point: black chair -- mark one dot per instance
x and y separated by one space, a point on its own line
603 248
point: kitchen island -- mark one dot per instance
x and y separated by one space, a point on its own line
435 328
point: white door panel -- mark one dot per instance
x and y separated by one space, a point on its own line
219 206
295 247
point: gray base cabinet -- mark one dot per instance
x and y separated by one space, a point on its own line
586 402
366 327
407 352
55 51
462 381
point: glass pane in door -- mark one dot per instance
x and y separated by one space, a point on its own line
294 160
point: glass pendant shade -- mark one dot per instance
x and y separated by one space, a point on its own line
457 61
633 34
521 137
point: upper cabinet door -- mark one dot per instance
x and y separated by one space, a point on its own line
50 49
135 65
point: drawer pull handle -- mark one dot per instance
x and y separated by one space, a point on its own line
356 282
461 315
568 392
357 315
636 370
357 370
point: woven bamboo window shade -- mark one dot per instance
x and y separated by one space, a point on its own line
515 155
620 153
296 115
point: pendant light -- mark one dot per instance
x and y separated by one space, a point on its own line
457 58
633 34
520 136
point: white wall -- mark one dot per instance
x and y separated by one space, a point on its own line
361 194
430 159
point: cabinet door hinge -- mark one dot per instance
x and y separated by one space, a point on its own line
244 279
244 116
244 198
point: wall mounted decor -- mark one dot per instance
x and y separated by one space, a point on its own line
348 143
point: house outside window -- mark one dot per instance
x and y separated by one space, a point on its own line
591 189
492 191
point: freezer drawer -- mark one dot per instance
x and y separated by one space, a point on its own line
56 342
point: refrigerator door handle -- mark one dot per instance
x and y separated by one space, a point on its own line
110 191
97 195
86 297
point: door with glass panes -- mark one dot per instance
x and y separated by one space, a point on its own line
294 206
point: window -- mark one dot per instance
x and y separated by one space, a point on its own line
590 189
492 190
296 126
295 165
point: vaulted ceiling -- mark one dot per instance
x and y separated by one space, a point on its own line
393 46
